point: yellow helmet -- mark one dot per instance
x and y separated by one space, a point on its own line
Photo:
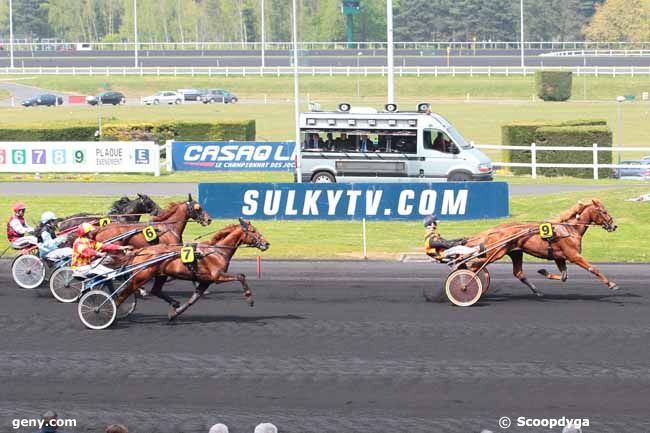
84 229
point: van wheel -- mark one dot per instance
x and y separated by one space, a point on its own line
459 177
323 177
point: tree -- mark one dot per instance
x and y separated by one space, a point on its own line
620 20
30 19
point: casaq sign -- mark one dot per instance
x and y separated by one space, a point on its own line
232 155
386 201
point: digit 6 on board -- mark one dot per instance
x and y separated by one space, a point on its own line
149 234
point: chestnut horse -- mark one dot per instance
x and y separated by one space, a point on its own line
169 225
212 260
566 244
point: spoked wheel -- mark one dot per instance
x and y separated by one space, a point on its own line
28 271
484 275
96 309
463 287
64 286
127 307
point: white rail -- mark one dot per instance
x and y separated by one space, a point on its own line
598 53
324 70
594 149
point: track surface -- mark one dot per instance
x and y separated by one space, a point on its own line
323 58
339 347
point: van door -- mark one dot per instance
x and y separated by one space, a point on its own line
438 153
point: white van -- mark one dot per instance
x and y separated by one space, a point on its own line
365 145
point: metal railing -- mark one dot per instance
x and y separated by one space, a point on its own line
594 149
331 71
598 53
49 45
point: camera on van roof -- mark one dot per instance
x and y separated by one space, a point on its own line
423 107
391 108
344 107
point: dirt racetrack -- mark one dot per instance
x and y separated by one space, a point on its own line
339 347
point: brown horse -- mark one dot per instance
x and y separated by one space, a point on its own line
169 225
566 244
212 260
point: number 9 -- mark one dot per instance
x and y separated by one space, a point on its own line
79 156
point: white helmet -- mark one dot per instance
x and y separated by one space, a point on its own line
47 217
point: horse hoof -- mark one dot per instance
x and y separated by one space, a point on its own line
613 287
176 304
539 294
543 272
172 314
251 302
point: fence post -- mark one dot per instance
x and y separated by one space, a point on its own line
168 156
595 152
533 160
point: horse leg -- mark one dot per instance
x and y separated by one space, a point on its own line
561 265
248 294
176 311
517 258
583 263
156 290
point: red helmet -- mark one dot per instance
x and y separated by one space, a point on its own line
19 206
84 229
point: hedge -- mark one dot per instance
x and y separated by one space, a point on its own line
134 131
553 85
568 133
53 133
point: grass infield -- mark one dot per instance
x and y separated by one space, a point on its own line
386 240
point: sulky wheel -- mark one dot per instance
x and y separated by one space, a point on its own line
97 309
64 286
484 275
463 287
28 271
127 307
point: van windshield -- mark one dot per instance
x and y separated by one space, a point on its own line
458 139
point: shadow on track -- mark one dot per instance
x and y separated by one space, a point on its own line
606 297
203 318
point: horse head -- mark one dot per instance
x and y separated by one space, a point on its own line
252 237
147 205
196 212
600 216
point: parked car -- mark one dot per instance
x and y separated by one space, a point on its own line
212 96
45 99
107 98
190 94
163 97
633 173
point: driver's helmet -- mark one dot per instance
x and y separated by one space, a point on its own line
84 229
430 221
47 217
18 207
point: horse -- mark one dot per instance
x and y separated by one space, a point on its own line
212 260
566 244
122 210
169 225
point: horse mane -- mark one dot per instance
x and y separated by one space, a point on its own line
166 213
119 205
571 213
221 234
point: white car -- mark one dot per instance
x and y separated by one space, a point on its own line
164 97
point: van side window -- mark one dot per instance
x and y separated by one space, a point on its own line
434 139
